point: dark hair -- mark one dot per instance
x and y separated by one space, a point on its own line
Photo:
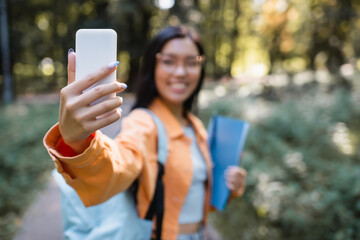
146 90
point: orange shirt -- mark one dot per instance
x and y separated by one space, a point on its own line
109 166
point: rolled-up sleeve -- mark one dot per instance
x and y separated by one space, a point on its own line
108 166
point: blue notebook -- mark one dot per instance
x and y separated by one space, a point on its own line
226 141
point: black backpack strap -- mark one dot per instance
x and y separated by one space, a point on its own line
156 207
157 204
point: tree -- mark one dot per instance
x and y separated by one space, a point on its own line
132 20
5 50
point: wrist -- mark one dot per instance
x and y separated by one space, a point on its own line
80 146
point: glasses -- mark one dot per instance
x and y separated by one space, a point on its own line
169 62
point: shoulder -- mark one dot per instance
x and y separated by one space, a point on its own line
138 120
195 120
198 125
139 114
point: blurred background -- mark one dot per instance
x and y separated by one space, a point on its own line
289 67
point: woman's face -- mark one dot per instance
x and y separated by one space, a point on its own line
177 70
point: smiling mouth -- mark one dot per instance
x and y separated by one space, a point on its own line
178 87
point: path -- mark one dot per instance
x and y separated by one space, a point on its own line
42 220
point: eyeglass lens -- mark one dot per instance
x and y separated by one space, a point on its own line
169 63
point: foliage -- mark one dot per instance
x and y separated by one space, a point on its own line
24 163
41 32
303 171
267 36
252 37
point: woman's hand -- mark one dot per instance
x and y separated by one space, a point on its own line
236 179
77 118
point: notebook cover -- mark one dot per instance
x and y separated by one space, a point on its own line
226 140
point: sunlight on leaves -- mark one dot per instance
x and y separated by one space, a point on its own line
87 8
47 66
124 65
358 64
268 193
220 91
42 22
295 162
61 29
164 4
341 138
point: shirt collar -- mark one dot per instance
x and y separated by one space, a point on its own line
198 126
172 125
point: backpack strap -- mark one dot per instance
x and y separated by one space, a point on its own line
156 207
162 137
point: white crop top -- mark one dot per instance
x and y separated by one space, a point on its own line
193 209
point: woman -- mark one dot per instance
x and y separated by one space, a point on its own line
98 167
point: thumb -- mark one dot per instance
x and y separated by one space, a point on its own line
71 66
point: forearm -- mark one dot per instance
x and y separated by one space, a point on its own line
97 173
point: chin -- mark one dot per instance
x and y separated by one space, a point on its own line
176 99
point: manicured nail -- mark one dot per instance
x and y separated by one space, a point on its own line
70 51
123 85
113 64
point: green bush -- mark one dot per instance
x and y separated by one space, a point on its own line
24 163
303 171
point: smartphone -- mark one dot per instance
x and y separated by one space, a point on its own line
94 49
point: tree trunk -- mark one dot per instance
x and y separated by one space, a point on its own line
5 50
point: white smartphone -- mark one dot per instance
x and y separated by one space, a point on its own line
94 49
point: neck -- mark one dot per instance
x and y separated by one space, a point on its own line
178 111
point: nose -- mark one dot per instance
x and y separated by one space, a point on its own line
180 70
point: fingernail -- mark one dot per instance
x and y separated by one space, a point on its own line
113 64
123 85
70 51
120 110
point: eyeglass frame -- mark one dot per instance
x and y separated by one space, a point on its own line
199 59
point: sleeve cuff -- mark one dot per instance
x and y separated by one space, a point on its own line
65 150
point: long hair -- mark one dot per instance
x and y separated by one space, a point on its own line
146 90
